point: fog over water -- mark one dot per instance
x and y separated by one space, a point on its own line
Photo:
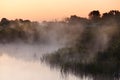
22 62
26 51
73 45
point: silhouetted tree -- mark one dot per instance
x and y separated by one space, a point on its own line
27 21
105 15
94 15
74 19
77 20
112 14
4 22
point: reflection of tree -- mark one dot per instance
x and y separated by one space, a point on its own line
98 77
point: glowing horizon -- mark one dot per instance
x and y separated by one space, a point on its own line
39 10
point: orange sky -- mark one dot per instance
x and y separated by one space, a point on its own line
39 10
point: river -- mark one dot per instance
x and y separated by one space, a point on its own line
22 62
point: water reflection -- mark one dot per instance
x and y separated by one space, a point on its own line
22 62
16 69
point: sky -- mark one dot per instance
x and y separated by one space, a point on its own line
40 10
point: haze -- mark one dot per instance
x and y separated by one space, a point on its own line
39 10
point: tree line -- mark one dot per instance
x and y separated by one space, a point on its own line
26 30
97 48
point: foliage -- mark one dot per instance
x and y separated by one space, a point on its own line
77 59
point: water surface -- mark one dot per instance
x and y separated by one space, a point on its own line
22 62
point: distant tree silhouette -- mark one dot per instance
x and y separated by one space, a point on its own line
4 22
114 12
21 20
111 14
105 15
74 19
94 15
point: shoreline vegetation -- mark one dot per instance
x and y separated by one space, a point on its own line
96 51
91 45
